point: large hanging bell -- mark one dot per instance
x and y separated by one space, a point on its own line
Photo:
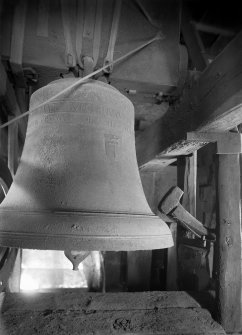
77 186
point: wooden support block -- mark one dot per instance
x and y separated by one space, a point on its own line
75 300
158 313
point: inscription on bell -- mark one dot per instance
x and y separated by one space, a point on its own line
112 146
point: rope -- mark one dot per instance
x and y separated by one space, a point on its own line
158 36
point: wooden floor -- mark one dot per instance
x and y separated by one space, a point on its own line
70 312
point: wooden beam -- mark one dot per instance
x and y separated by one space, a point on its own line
213 103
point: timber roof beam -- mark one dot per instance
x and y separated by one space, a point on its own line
212 103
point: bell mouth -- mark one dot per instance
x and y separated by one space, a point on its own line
83 231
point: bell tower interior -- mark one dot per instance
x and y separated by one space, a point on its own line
120 167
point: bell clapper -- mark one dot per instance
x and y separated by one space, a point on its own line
76 257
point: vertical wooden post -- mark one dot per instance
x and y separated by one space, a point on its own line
229 242
228 245
171 272
190 184
187 181
172 278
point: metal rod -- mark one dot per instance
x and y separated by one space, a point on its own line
158 36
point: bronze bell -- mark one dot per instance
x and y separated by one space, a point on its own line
77 186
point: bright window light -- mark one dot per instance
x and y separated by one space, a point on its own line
49 269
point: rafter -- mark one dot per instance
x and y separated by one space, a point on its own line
212 103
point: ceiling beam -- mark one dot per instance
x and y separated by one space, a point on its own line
212 103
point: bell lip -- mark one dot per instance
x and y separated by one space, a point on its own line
83 231
13 211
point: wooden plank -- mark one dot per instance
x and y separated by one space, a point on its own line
228 258
211 103
171 321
